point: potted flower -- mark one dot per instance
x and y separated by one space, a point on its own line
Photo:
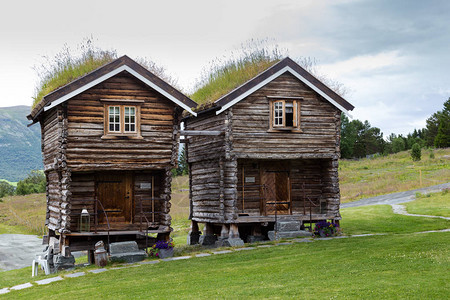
324 228
162 249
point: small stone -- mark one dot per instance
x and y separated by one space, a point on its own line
96 271
49 280
21 286
149 262
302 240
222 252
176 258
203 254
244 249
74 275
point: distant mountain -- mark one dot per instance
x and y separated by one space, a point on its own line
20 146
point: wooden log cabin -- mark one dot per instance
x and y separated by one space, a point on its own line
109 142
269 149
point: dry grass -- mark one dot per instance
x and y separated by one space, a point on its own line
24 212
393 173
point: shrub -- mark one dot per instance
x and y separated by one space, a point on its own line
431 154
416 152
6 189
33 184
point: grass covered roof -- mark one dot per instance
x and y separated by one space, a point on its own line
223 76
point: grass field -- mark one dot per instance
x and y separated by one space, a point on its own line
393 266
394 173
436 204
398 264
25 214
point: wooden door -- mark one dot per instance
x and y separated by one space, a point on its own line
276 183
114 191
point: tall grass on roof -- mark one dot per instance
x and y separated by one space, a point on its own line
224 75
255 56
65 67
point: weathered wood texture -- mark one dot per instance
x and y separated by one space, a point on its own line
148 205
75 153
312 181
86 148
216 162
319 121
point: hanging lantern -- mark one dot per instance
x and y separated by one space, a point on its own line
85 219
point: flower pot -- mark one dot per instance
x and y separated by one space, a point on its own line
163 253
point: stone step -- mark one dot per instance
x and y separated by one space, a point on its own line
287 225
126 252
288 234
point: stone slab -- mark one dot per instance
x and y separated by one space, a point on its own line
4 291
285 243
202 254
149 262
176 258
245 249
49 280
96 271
122 247
264 246
74 275
302 240
288 234
222 252
129 257
283 226
21 286
229 242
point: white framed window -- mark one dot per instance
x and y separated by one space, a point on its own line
122 119
129 119
285 114
114 118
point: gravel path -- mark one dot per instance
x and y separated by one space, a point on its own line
18 250
396 198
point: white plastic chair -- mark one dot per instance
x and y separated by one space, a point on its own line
40 261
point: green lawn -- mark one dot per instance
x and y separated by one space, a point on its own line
393 266
381 219
436 204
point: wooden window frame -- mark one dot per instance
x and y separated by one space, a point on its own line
122 104
296 114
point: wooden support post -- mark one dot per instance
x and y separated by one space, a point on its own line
208 229
194 226
234 231
224 233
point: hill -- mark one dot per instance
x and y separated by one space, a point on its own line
20 146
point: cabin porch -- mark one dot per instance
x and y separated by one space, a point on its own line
306 190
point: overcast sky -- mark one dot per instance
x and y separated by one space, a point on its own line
392 55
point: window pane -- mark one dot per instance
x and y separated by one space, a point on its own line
114 118
130 119
289 113
278 113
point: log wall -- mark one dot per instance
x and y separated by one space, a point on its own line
216 161
88 151
319 123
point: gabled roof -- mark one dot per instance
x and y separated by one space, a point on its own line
285 65
105 72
